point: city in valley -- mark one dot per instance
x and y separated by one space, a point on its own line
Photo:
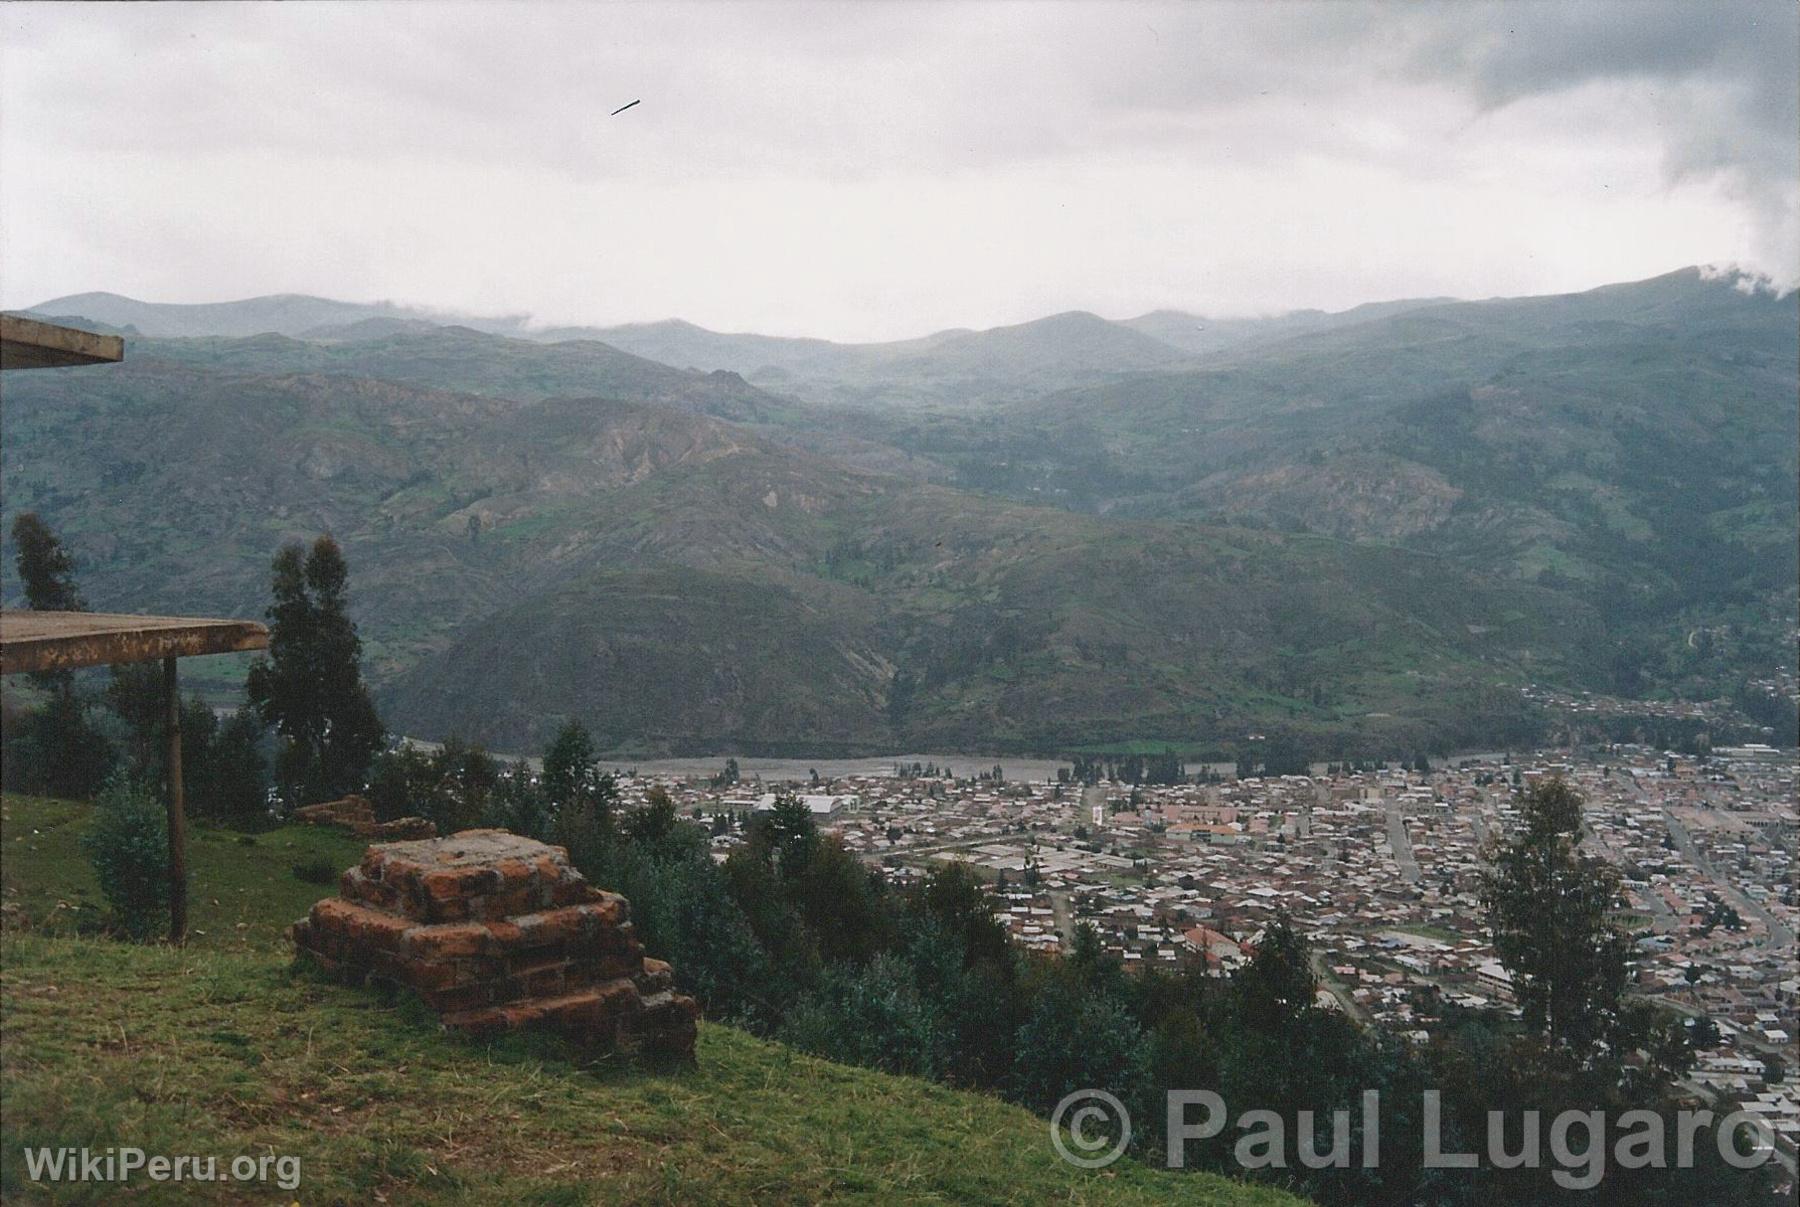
1103 602
1379 866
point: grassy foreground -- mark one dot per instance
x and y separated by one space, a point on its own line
223 1048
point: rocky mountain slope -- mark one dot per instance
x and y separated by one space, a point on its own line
1369 534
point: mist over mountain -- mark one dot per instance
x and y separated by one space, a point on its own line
954 367
281 314
1368 529
1198 334
478 362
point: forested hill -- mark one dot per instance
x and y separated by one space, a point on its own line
1634 446
1369 534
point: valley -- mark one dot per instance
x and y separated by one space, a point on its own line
1369 532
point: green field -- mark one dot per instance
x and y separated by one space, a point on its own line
224 1048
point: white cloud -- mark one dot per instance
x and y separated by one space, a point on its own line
876 171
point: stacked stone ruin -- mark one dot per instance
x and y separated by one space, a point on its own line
497 932
357 815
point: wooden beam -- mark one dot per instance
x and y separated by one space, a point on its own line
177 809
55 641
31 344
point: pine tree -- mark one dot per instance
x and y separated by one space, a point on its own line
135 693
46 570
1547 905
58 750
236 779
47 573
569 767
310 686
1278 983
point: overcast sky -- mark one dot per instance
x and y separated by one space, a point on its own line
875 171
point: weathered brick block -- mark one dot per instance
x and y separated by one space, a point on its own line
449 941
656 976
354 886
506 904
355 814
666 1022
495 931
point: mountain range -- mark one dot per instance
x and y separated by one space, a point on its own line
1368 530
957 366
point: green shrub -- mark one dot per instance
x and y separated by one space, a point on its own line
871 1016
55 750
128 843
318 870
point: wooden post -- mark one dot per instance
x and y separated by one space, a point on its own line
177 815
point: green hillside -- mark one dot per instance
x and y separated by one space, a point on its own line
1371 533
478 362
223 1048
683 584
1636 447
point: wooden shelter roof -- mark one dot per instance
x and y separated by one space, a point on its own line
54 641
32 344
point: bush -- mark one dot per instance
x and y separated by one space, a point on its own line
232 780
452 787
871 1016
318 870
55 750
1078 1037
683 912
128 843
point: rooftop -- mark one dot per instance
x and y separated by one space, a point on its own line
30 344
54 641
